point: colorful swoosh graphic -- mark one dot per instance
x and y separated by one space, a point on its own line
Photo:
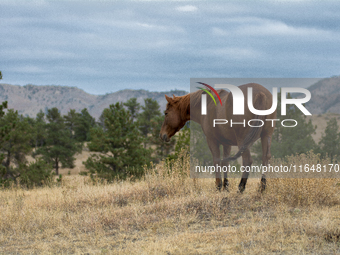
212 89
208 94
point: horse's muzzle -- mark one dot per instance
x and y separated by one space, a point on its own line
164 137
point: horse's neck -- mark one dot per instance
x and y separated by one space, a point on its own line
195 106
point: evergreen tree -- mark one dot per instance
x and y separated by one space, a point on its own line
31 123
162 149
330 140
101 121
150 111
17 145
4 136
182 142
60 147
36 173
71 120
83 126
40 129
79 124
120 144
5 129
133 107
199 147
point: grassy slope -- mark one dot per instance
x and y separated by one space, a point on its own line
172 214
169 215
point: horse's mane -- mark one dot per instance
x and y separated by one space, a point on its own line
184 102
195 97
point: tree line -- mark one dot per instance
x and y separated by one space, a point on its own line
124 141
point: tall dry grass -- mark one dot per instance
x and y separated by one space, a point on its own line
169 213
301 191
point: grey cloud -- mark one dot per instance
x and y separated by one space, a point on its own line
112 45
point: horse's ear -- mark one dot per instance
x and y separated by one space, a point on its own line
169 99
173 96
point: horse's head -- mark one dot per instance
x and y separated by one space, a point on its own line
177 113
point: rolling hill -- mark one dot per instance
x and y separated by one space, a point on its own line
325 96
30 99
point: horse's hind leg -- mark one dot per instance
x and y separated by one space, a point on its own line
247 161
214 147
226 153
266 155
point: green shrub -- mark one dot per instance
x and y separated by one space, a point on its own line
37 173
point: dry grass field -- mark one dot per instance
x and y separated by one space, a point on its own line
169 213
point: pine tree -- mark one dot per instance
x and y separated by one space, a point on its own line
17 145
71 120
199 147
330 141
36 173
101 121
60 147
151 110
31 123
133 107
40 129
83 126
162 149
182 142
120 144
79 124
4 136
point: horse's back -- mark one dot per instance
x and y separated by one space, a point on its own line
262 99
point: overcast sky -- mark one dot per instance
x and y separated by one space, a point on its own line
105 46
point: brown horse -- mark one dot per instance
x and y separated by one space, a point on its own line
178 112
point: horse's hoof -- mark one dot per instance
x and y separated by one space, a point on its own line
263 185
226 186
262 188
241 189
226 189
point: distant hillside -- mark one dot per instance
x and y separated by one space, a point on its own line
29 99
325 96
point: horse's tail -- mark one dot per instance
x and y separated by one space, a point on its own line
252 136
